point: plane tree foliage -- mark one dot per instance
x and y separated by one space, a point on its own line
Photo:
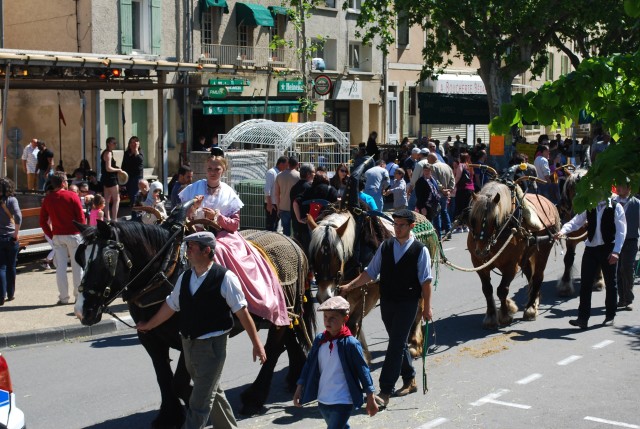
608 89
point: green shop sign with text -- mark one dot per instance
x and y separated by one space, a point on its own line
229 82
291 86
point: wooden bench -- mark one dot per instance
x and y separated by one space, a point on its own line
29 237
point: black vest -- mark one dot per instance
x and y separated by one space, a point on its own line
607 223
399 281
206 311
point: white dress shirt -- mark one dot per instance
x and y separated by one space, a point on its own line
580 219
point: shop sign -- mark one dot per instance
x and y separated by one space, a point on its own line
229 82
218 92
250 109
322 84
291 86
235 88
348 90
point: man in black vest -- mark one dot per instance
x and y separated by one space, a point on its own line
404 266
207 296
606 230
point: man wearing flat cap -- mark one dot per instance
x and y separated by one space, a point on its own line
206 297
404 266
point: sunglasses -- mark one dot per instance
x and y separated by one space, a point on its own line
342 171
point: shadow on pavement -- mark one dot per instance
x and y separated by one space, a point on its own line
126 340
138 420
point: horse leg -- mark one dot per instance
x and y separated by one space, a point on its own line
538 261
416 339
171 413
507 307
182 380
565 283
297 358
490 319
254 397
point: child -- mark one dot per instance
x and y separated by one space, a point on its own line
399 190
336 369
97 210
143 188
154 199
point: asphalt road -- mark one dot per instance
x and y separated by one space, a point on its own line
542 374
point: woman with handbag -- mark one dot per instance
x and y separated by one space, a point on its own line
464 187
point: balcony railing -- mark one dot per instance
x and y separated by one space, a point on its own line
249 56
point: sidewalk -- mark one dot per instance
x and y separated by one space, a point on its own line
33 317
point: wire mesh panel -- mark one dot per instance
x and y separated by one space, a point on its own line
253 146
252 215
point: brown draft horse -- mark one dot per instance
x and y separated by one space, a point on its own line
565 283
497 228
336 255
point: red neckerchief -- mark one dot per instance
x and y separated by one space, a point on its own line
327 338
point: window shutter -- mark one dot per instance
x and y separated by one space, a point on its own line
405 112
126 26
156 27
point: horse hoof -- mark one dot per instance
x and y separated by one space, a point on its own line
415 352
530 314
490 324
250 410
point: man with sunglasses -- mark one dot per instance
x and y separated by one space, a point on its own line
404 266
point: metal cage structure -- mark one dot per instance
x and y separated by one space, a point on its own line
253 146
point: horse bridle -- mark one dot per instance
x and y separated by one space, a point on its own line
114 250
324 265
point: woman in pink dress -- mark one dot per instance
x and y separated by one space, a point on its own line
217 201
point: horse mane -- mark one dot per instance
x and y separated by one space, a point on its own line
570 185
484 205
136 236
343 246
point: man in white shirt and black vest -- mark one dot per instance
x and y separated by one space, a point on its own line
404 266
606 231
207 296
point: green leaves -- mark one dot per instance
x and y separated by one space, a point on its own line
632 8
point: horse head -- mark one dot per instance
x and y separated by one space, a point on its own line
565 206
107 266
490 210
332 241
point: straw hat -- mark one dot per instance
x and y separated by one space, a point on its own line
123 177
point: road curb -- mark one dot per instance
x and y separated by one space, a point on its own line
61 333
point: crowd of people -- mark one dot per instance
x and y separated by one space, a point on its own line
420 177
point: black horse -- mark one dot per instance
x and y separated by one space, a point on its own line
141 263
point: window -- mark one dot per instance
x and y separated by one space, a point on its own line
317 48
245 42
565 66
354 5
276 33
549 70
413 100
211 18
403 29
330 3
354 56
359 57
140 26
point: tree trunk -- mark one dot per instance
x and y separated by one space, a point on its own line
498 86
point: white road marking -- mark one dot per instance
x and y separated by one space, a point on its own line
490 397
602 344
448 248
511 404
528 379
433 423
569 360
611 422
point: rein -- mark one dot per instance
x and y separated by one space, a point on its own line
169 243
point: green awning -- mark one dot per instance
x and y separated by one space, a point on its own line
278 10
249 107
253 14
205 4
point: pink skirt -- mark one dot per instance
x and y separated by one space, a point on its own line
260 283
